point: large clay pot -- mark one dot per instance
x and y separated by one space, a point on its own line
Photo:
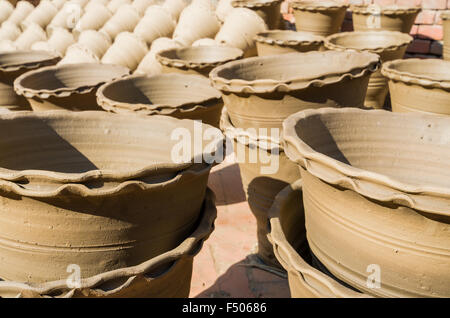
261 92
6 9
107 192
269 10
22 10
14 64
42 15
79 53
390 18
322 17
417 85
34 33
389 45
95 41
376 201
69 87
94 18
128 50
167 275
156 23
198 60
149 65
124 20
280 42
177 95
446 25
265 171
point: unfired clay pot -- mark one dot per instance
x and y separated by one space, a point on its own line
128 50
446 24
22 10
390 18
156 23
376 192
167 275
149 65
124 20
59 40
269 10
198 60
390 45
177 95
261 92
33 33
205 42
114 5
223 8
260 183
14 64
175 7
419 85
67 16
321 17
93 19
105 194
142 5
95 41
69 87
9 31
42 15
79 53
280 42
6 9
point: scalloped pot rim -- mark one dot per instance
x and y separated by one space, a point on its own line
47 57
318 5
368 63
254 3
303 153
386 10
308 38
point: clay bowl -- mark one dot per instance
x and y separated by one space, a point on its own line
261 92
167 275
198 60
69 86
417 85
262 179
382 194
14 64
280 42
446 24
269 10
100 194
390 18
321 17
390 45
177 95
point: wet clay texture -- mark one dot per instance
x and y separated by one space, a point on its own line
286 41
269 10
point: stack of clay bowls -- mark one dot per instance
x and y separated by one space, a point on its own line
445 16
285 41
92 191
376 206
269 10
260 92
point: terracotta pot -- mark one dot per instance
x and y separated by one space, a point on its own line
287 234
100 194
15 64
95 41
390 18
124 20
114 5
280 42
223 8
322 17
9 31
197 60
156 23
389 45
166 275
260 183
261 92
381 198
6 9
32 34
269 10
174 7
446 25
149 65
127 50
417 85
239 29
42 15
205 42
78 53
177 95
21 11
94 18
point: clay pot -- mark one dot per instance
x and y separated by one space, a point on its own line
32 34
261 92
114 5
205 42
60 39
223 8
156 23
381 198
142 5
390 18
164 276
389 45
446 24
175 7
69 87
95 41
59 3
67 16
9 31
124 20
269 10
6 9
7 46
417 85
177 95
198 60
322 17
239 29
22 10
149 65
100 194
42 15
78 53
280 42
94 18
261 184
127 50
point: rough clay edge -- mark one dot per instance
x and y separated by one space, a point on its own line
254 5
309 6
188 248
31 65
362 9
267 40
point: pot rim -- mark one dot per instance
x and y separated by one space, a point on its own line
385 10
12 67
261 86
190 247
254 3
317 6
360 180
402 39
29 92
410 78
265 37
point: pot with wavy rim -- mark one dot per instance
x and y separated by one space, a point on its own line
101 193
128 50
21 11
178 95
197 60
419 85
445 16
269 10
376 201
287 41
389 18
69 87
389 45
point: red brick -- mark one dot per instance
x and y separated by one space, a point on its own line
384 2
436 48
434 4
434 32
448 4
414 29
438 19
408 3
426 17
419 46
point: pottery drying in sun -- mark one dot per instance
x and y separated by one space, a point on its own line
6 8
156 23
79 53
94 18
269 10
42 15
21 11
97 42
34 33
286 41
9 31
124 20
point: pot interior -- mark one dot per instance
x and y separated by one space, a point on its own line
370 40
290 36
438 70
203 54
23 57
